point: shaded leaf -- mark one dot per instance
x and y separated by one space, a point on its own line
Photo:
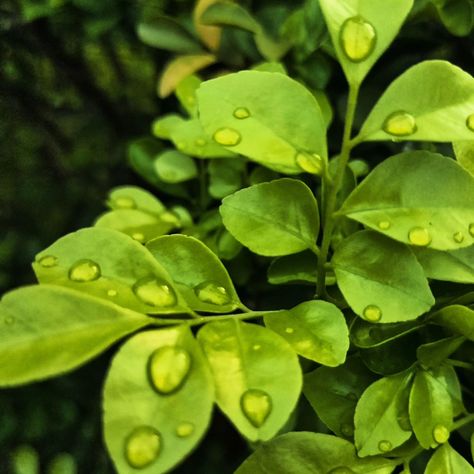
175 167
459 319
446 460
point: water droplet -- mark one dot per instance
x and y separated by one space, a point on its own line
212 293
458 237
400 124
9 320
419 236
341 470
138 236
241 113
347 430
168 368
440 434
227 137
372 313
185 429
352 396
256 347
385 446
170 217
200 142
48 261
84 271
309 162
124 202
470 122
471 229
111 293
384 225
154 292
357 38
142 447
289 330
256 405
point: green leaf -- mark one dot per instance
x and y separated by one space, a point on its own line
360 31
447 376
333 394
316 330
432 354
446 460
456 15
111 266
237 111
174 167
169 424
48 330
254 370
419 105
459 319
272 219
311 453
397 199
431 409
163 126
186 93
298 268
198 273
225 177
133 197
464 152
381 416
381 279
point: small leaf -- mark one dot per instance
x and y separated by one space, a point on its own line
446 460
316 330
272 219
163 126
186 93
464 152
396 199
456 15
48 330
375 274
225 177
175 167
257 376
459 319
230 14
133 197
210 35
419 106
432 354
172 423
298 268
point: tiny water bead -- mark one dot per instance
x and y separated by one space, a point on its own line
471 229
112 293
124 202
357 38
48 261
185 429
470 122
384 225
458 237
440 434
256 406
289 330
227 137
341 470
142 447
139 237
400 124
372 313
419 236
241 113
84 271
347 430
168 368
154 292
309 162
385 446
200 141
210 292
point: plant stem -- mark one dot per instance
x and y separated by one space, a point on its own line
460 364
334 187
463 421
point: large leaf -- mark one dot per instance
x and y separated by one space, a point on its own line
397 199
446 460
311 453
158 401
419 105
360 31
381 279
316 330
459 319
257 376
276 218
48 330
240 114
199 275
112 266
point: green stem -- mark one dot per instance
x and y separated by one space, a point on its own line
460 364
463 421
333 188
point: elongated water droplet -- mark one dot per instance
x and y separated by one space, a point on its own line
48 261
256 347
168 368
357 38
185 429
124 202
289 330
470 122
111 293
309 162
372 313
384 225
471 229
227 137
139 237
341 470
142 447
256 406
154 292
84 271
440 434
200 142
400 124
458 237
347 430
385 446
419 236
241 113
212 293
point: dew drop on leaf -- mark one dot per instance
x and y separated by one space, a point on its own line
84 271
470 122
142 447
341 470
471 229
168 368
384 225
138 236
419 236
256 406
309 162
372 313
111 293
154 292
289 330
200 142
241 113
440 434
185 429
124 202
458 237
347 430
256 347
227 137
400 124
48 261
210 292
357 38
385 446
